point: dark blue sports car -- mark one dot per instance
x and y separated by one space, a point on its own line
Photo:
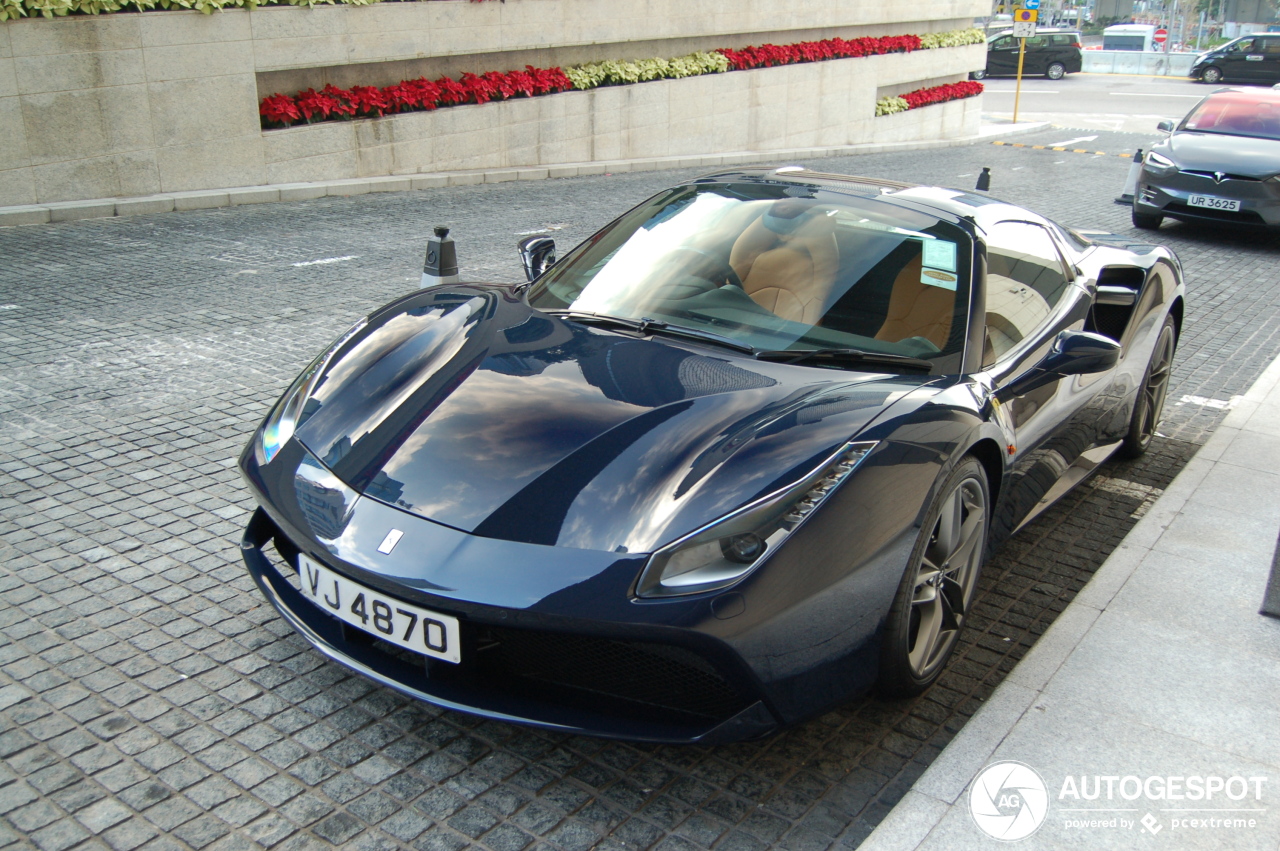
737 457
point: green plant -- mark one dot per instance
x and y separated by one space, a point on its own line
954 38
888 106
616 73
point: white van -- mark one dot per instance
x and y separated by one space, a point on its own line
1130 37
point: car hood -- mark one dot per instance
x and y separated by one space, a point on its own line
465 406
1242 155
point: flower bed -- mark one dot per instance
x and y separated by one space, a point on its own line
334 104
13 9
927 96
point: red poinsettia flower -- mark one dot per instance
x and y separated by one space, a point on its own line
280 109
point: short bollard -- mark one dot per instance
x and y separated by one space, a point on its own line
1131 181
441 265
984 180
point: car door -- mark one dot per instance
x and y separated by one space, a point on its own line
1269 68
1240 62
1037 57
1002 56
1030 296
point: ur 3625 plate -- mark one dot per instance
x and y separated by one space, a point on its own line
1211 203
394 621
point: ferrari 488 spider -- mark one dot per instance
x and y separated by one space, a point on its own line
738 456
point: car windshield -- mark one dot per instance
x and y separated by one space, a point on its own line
1254 114
774 266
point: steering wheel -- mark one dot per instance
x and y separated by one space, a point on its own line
708 266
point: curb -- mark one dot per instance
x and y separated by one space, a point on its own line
944 782
67 211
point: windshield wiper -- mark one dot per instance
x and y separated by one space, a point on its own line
653 326
851 356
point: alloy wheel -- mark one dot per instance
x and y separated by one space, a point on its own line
1212 75
1156 387
946 577
1056 71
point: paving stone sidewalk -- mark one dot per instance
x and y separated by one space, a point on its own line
150 699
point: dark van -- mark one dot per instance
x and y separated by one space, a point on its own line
1249 59
1053 53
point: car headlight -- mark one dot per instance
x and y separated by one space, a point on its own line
725 551
286 416
1160 166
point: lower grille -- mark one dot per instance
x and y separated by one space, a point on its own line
657 676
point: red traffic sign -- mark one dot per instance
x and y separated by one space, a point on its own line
1160 36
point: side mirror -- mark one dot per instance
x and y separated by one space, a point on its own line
538 254
1165 126
1073 353
1081 353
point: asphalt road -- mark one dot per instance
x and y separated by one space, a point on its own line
1118 102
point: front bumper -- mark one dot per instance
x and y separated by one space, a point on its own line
1169 196
591 680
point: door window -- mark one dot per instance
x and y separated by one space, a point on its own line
1005 43
1271 47
1025 281
1245 46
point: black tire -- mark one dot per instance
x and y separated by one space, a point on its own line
934 596
1149 405
1211 75
1055 71
1146 221
978 75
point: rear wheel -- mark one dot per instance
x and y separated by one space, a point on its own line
1056 71
1211 75
937 588
1149 405
978 75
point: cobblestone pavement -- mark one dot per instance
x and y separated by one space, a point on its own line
150 699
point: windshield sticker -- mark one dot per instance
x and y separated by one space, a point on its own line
938 278
940 254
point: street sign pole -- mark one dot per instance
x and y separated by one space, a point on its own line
1024 27
1017 89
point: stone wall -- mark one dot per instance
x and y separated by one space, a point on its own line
134 104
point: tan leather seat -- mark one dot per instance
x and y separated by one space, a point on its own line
790 275
917 310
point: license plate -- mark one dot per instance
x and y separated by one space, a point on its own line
394 621
1212 203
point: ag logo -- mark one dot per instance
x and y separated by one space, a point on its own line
1008 801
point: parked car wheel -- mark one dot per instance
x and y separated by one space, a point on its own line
1056 71
978 75
933 600
1146 221
1211 75
1151 395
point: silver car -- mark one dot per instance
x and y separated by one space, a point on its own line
1220 165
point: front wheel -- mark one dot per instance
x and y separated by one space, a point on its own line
1149 405
1056 71
937 587
1146 221
1211 75
978 75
